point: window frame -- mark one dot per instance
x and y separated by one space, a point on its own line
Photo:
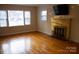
41 15
30 17
5 19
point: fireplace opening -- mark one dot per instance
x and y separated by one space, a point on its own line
60 32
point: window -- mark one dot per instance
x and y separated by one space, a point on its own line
3 18
27 17
15 18
44 15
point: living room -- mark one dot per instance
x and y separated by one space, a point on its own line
39 28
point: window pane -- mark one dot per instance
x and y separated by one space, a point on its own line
27 17
15 18
44 15
3 18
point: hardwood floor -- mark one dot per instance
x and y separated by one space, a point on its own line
36 43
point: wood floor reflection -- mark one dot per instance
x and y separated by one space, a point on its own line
35 43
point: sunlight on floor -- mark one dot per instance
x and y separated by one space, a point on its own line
19 45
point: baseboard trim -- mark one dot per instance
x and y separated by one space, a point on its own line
16 33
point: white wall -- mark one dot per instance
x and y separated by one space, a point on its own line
75 23
43 26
